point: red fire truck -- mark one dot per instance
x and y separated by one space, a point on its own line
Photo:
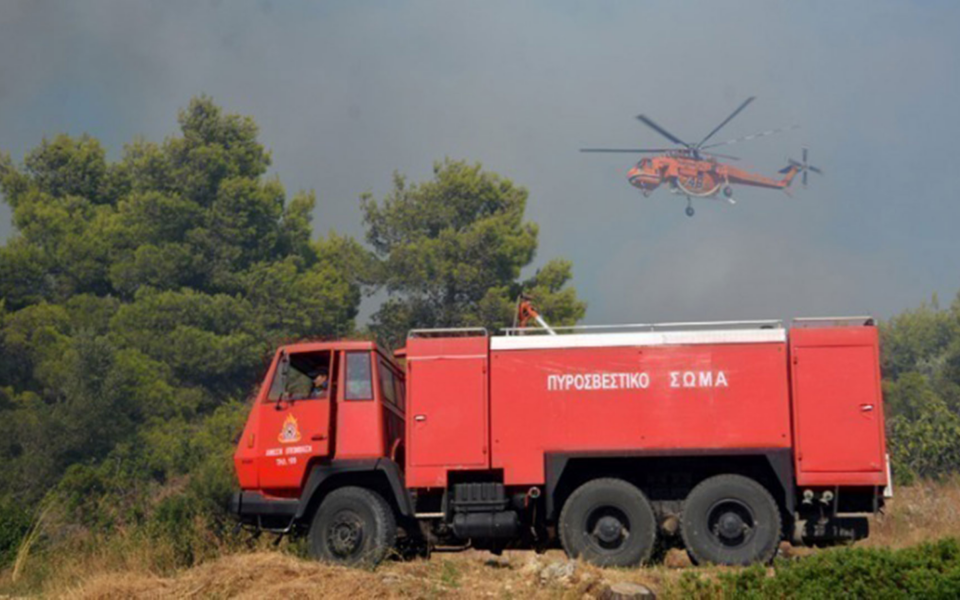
614 443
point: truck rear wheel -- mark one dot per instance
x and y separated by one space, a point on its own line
353 526
608 522
730 520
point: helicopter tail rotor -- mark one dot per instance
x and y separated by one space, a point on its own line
802 167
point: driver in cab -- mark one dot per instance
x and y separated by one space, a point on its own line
320 385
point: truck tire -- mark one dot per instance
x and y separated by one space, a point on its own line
353 526
609 523
730 520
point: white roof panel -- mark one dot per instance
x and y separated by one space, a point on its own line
638 338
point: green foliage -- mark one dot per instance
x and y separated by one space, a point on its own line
451 252
68 167
924 442
918 340
15 521
920 359
139 300
925 571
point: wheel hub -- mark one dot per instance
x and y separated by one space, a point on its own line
346 534
731 526
609 530
731 522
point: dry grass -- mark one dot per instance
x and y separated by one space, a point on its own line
274 574
256 575
28 541
918 513
127 569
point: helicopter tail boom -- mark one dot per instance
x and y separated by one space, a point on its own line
790 172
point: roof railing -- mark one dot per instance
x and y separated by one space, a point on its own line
448 332
851 321
633 327
854 321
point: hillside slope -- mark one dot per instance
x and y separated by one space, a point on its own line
918 514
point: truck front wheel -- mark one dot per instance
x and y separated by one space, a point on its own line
608 522
353 526
730 520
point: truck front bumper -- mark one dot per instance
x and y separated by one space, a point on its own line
253 508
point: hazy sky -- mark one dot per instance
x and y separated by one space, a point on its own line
346 92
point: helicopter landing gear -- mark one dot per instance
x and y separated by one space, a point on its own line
689 210
728 194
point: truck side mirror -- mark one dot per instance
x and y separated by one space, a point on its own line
278 389
285 377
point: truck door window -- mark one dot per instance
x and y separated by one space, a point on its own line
301 376
359 383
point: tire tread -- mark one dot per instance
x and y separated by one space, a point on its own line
383 516
733 479
588 487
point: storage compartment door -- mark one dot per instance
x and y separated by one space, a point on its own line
448 408
838 408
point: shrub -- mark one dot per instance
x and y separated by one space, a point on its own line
926 571
14 524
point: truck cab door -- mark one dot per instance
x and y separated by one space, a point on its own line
295 419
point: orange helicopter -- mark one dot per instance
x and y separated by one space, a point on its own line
695 172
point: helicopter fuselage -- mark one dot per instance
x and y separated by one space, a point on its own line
693 169
700 178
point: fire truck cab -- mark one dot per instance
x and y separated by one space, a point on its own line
723 438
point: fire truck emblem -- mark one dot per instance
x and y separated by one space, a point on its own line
290 432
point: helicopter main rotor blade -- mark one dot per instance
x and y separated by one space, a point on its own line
726 156
727 120
752 136
638 150
650 123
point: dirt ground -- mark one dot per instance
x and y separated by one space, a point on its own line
470 574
